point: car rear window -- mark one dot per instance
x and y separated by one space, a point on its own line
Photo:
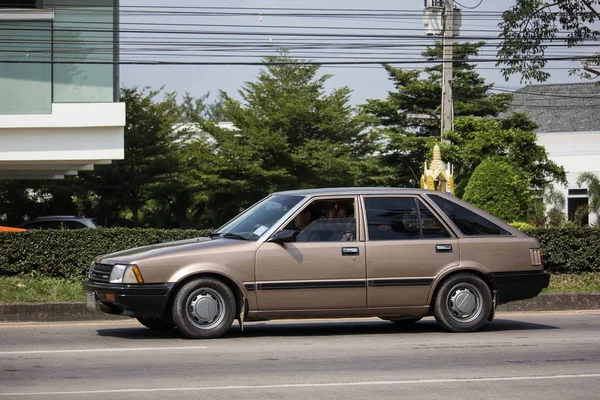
469 223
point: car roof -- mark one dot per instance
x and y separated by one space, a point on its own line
60 217
354 190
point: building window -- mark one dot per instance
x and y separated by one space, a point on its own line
577 203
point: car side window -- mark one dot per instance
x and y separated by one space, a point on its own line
469 223
431 227
392 218
74 225
45 225
331 220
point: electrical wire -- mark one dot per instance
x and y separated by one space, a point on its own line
469 8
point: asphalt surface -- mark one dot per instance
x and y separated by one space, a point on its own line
546 356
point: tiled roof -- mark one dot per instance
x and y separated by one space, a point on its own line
566 107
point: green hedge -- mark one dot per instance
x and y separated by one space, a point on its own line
569 250
68 253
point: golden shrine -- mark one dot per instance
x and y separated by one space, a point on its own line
438 172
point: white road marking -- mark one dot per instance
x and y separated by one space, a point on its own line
115 349
308 385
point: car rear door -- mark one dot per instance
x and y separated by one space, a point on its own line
407 247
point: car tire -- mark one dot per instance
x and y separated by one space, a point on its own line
463 303
204 308
403 321
155 323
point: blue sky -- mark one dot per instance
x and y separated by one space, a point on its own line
366 81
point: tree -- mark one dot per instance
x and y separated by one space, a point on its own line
500 189
531 26
415 105
593 187
196 108
289 134
408 117
512 139
120 193
547 207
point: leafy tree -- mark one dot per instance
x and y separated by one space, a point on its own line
530 26
593 186
415 105
547 207
500 189
512 139
408 117
122 192
196 108
289 134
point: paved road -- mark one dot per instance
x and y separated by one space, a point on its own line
518 356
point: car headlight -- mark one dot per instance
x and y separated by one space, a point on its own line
126 274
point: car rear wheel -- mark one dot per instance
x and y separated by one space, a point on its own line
204 308
155 323
463 303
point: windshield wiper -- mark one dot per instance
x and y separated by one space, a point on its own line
225 235
233 236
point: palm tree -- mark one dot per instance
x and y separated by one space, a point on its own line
593 188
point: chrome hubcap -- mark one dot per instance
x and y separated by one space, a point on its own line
205 308
464 302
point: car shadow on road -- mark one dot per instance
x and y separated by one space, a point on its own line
325 328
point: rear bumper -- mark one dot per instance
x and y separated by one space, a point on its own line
148 300
512 286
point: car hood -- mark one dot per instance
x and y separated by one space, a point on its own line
134 255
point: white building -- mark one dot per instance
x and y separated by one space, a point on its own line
568 116
59 85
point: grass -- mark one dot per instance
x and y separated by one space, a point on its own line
16 289
587 282
48 290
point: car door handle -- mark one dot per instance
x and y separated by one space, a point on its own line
443 248
349 251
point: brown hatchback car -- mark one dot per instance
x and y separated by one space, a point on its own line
397 254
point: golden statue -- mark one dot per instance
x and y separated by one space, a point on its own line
438 171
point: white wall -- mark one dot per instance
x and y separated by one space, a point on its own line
74 137
577 152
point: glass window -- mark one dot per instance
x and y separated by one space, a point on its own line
432 227
259 218
392 218
25 86
74 225
44 225
331 220
469 223
84 50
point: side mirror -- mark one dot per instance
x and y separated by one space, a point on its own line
283 236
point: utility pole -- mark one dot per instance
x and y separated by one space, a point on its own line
447 62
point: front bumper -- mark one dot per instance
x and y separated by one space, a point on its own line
512 286
149 300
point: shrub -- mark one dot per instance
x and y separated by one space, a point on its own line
500 189
69 253
570 249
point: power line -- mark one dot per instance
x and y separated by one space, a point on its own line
469 8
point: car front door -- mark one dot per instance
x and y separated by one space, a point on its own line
323 270
407 246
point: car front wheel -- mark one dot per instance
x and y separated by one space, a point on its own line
463 303
204 308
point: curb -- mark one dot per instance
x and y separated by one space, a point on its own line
45 312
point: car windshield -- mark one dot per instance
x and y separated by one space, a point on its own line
252 223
